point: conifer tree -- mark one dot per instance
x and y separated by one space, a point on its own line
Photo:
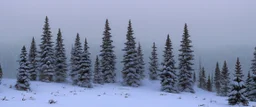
225 80
212 81
252 94
98 75
131 76
168 74
209 84
194 77
60 62
76 54
46 61
185 63
237 94
23 72
202 79
153 64
249 86
217 79
1 74
32 58
108 58
141 63
85 73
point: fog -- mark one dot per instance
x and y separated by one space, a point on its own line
220 30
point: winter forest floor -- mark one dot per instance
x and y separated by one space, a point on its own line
108 95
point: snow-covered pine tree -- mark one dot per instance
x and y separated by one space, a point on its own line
141 63
168 74
217 79
1 74
194 77
185 63
85 74
60 59
249 86
209 84
46 61
212 81
238 89
252 93
153 64
23 72
32 58
107 56
98 75
202 79
131 76
224 80
76 53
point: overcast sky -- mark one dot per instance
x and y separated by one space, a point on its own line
220 29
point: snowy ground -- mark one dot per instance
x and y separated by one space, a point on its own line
108 95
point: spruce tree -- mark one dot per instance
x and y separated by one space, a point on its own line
249 86
141 63
60 62
1 74
237 94
85 73
225 80
194 77
202 79
108 58
131 76
76 54
252 94
217 79
32 58
212 81
98 75
46 61
168 74
153 64
185 63
23 72
209 84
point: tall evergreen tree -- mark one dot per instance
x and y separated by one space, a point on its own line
153 64
168 74
60 62
212 81
85 73
225 80
249 86
194 77
141 63
23 72
217 79
1 74
108 58
46 62
76 60
32 58
185 63
252 93
237 94
131 76
202 79
98 75
209 84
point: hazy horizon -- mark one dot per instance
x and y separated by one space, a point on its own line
220 30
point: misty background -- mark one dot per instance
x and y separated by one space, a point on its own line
220 29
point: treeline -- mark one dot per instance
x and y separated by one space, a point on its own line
50 64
